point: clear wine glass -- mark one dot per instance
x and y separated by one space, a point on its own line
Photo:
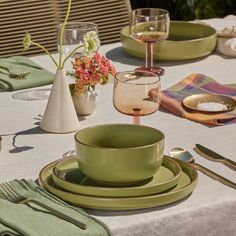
149 25
73 36
136 93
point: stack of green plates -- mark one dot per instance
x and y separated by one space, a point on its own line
173 181
186 41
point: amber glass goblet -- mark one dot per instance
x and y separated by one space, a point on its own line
136 93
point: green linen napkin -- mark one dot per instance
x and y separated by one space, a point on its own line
32 220
14 69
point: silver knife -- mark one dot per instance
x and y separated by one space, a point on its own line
213 156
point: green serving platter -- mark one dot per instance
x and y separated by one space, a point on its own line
68 176
187 40
186 184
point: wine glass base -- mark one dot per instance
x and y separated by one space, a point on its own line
156 70
32 95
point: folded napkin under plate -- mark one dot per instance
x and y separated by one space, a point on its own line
172 98
226 32
22 73
32 220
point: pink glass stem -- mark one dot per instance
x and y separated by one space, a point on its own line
149 55
136 116
136 120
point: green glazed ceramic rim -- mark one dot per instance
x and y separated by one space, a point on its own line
166 178
186 184
202 43
116 125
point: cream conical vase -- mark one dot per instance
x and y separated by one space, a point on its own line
60 115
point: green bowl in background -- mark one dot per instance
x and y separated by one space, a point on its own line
186 41
119 154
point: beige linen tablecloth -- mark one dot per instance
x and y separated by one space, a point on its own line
209 210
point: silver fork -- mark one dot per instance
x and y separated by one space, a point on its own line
11 195
20 76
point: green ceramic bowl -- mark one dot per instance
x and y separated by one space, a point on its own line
119 154
186 41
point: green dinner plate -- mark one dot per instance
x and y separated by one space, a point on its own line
186 41
68 176
186 184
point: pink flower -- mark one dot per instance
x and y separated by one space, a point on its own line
89 71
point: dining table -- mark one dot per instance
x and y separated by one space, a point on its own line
209 210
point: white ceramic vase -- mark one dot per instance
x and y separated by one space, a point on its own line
60 115
85 103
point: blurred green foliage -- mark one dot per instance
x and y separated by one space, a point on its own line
190 9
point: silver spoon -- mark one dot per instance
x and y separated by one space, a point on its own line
184 155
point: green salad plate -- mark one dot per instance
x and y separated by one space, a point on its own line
68 176
187 40
186 184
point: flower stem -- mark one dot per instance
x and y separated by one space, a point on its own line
70 54
44 49
61 35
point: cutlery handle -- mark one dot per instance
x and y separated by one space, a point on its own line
213 156
231 164
58 213
215 176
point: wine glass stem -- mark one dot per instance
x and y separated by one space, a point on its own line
136 116
136 120
149 55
